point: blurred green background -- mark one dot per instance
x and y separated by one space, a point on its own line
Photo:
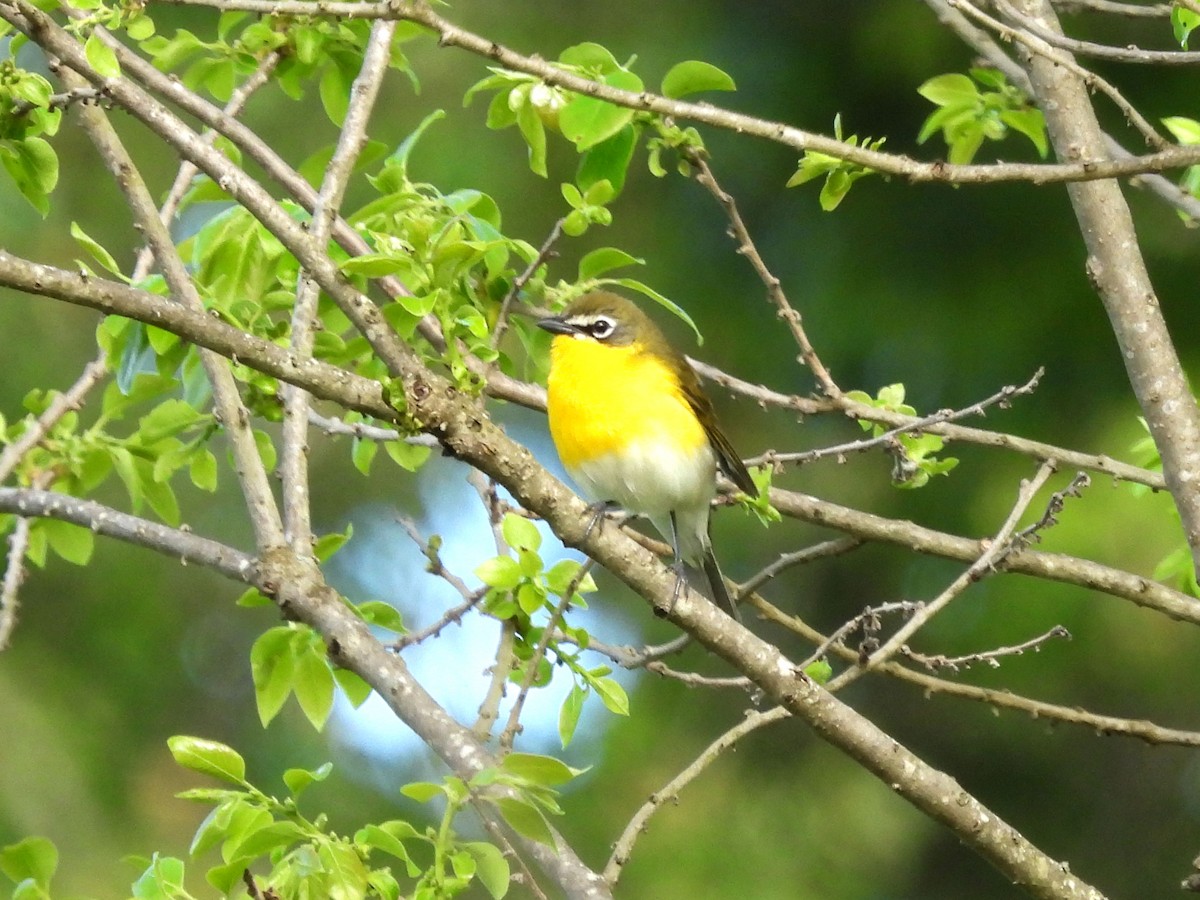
954 292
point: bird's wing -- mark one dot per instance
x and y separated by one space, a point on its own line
727 457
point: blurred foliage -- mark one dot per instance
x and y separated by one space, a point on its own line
951 292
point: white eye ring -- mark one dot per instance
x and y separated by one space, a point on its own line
602 328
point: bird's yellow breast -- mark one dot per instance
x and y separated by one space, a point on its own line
602 399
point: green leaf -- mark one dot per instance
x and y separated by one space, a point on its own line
380 838
674 308
273 669
166 420
531 597
500 572
609 160
560 576
820 671
612 695
382 615
354 687
605 259
569 713
33 166
586 121
491 868
163 879
534 132
953 89
693 76
101 57
376 265
520 533
313 684
73 543
590 55
328 544
203 470
362 452
409 457
1183 22
208 758
35 858
298 779
406 146
262 840
1186 131
526 820
423 791
334 89
535 768
96 251
266 449
140 27
1031 123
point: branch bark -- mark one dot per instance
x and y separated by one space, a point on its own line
1118 273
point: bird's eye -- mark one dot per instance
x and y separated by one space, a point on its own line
602 328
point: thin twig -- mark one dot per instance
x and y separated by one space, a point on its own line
1038 450
1036 42
367 431
774 286
1127 54
629 658
293 457
993 551
506 660
1001 398
59 406
623 848
801 557
695 679
521 280
513 726
931 684
867 621
934 662
435 566
1116 8
227 403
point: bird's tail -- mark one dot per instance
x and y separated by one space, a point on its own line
716 581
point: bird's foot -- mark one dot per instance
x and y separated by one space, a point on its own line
598 511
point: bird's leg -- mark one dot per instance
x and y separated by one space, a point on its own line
677 566
598 510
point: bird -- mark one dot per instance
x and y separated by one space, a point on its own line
634 428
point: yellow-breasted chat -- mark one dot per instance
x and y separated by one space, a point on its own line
634 428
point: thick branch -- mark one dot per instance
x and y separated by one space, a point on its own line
1119 275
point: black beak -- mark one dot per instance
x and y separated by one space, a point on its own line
556 325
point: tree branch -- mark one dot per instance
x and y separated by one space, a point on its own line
1118 274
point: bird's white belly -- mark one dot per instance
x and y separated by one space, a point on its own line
650 480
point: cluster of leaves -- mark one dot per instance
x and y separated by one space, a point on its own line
915 459
27 118
30 864
967 115
325 50
172 436
519 586
304 858
839 174
604 134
